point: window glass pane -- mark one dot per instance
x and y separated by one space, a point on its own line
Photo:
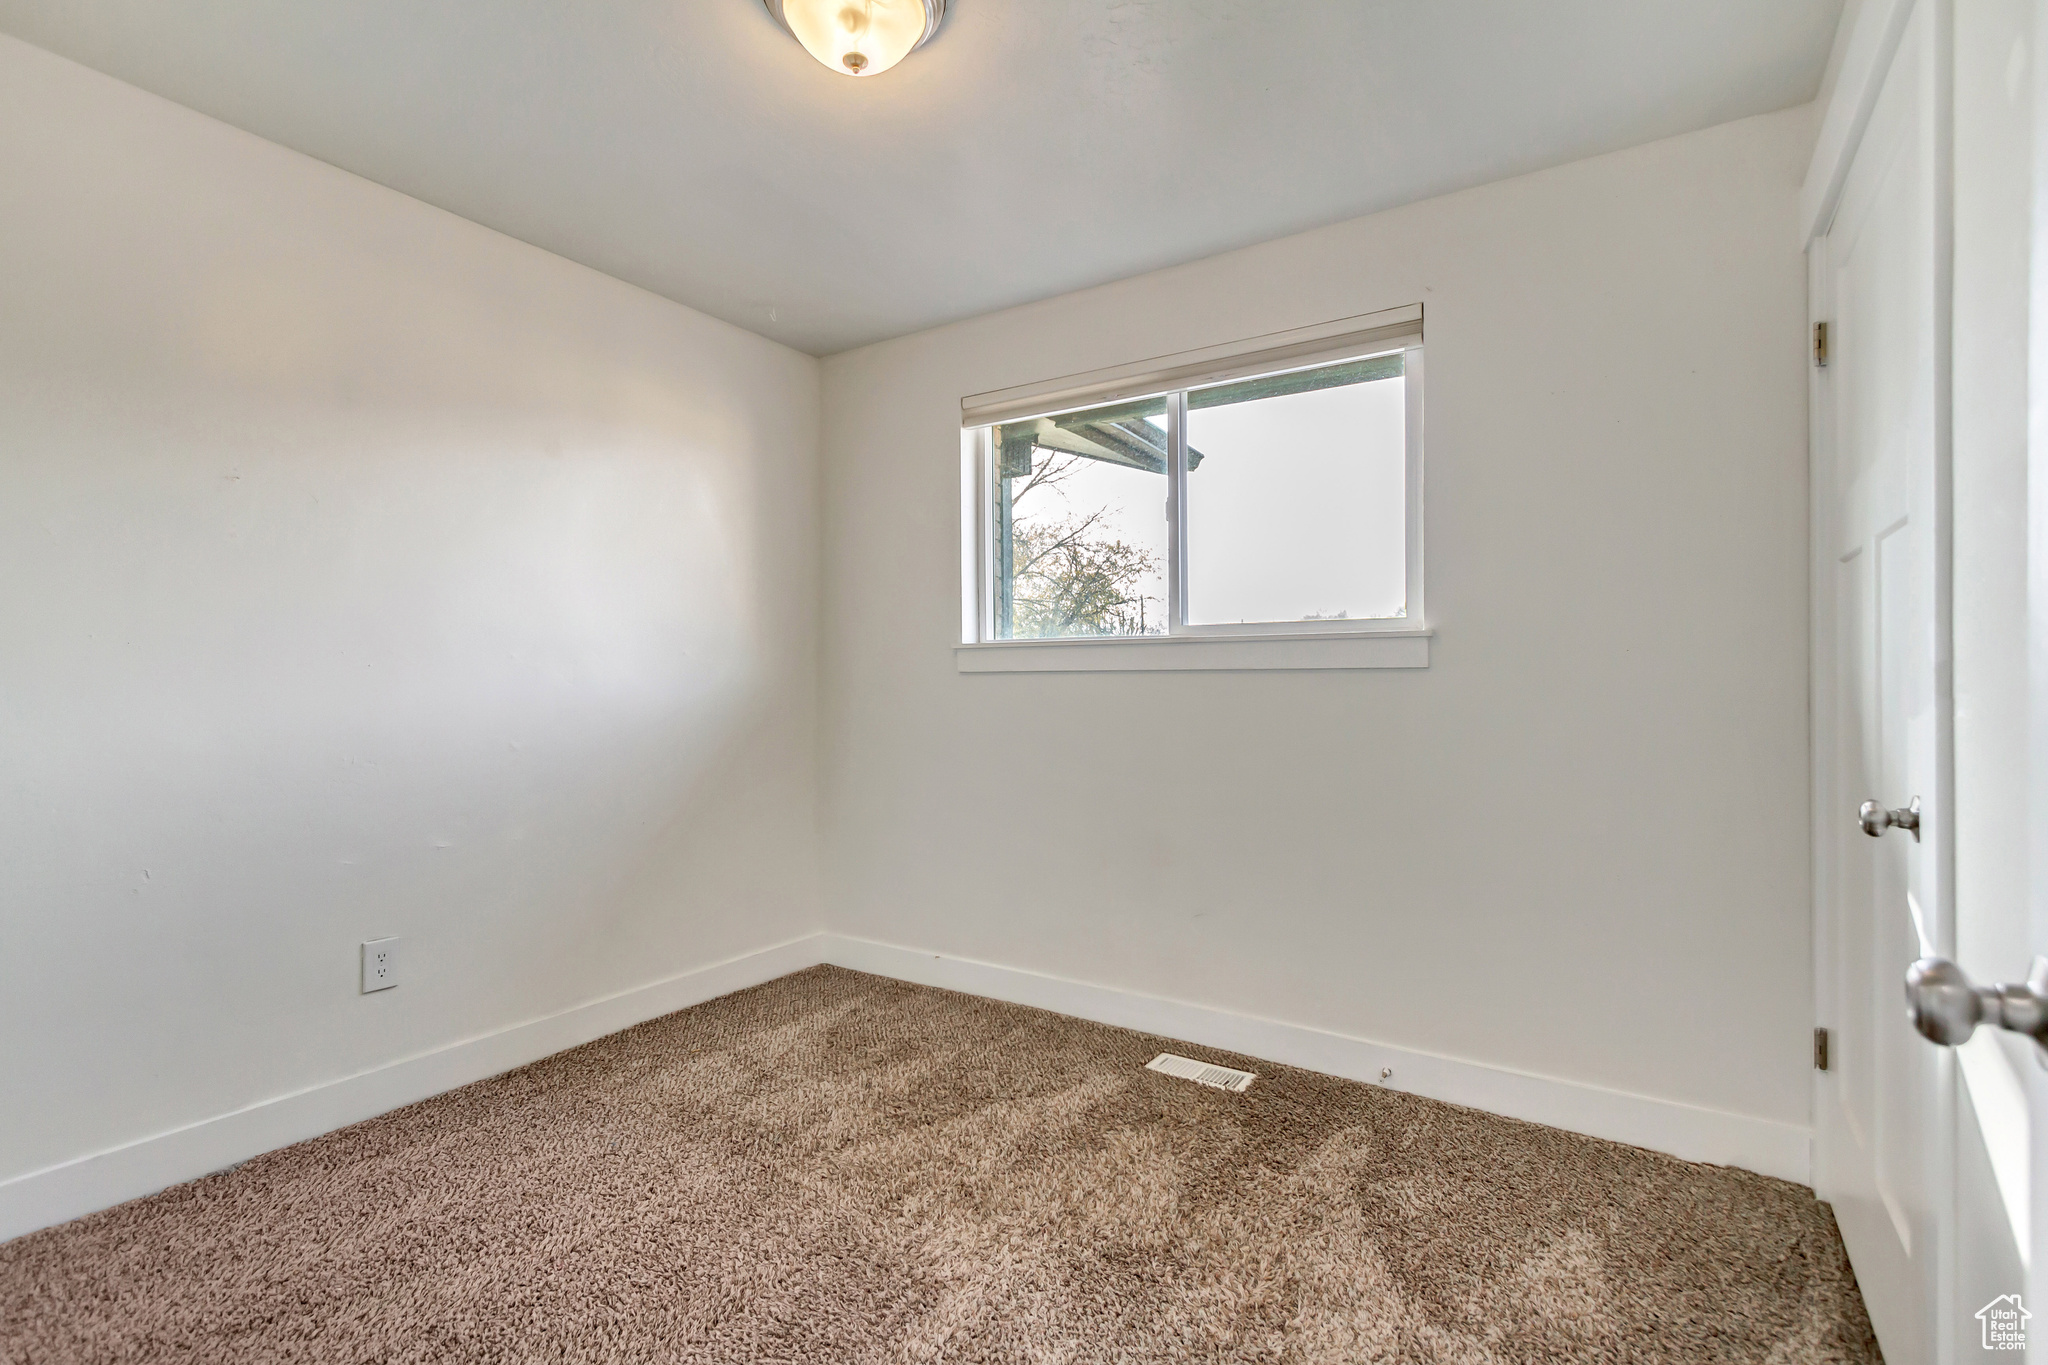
1296 496
1080 523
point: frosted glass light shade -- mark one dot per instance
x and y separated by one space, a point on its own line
860 37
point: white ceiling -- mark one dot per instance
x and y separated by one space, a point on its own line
1036 146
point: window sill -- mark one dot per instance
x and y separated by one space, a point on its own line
1407 648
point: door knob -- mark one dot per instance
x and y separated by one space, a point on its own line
1946 1008
1875 819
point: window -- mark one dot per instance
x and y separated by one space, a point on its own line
1265 493
1079 523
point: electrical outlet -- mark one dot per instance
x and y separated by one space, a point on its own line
380 964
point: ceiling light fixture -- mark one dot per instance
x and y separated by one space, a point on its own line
859 37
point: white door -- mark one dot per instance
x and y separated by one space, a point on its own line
1926 690
1993 175
1880 1125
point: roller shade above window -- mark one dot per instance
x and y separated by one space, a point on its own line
1302 349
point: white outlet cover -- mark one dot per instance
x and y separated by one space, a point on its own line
380 964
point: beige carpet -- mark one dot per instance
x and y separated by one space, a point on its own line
839 1168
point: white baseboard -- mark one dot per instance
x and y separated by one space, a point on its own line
59 1193
1683 1130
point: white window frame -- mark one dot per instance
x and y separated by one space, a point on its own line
1381 642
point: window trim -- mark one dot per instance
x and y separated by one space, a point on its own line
1404 640
1198 653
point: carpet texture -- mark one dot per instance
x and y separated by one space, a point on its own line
840 1168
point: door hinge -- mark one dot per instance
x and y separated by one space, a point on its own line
1820 1049
1820 344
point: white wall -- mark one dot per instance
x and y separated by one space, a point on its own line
362 572
1577 844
